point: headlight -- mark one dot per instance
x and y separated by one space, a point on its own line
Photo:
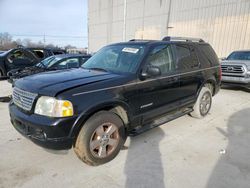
52 107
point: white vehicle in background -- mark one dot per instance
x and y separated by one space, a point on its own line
236 69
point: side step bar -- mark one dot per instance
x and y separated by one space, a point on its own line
158 122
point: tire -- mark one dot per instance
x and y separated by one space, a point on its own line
1 74
203 103
100 139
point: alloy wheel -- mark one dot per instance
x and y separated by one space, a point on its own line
205 103
104 140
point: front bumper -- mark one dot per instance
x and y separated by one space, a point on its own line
232 79
51 133
236 81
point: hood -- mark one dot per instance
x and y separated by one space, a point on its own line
51 83
236 62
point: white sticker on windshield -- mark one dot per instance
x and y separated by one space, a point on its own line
130 50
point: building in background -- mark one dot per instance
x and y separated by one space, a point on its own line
225 24
77 50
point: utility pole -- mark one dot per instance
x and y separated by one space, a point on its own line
168 18
124 20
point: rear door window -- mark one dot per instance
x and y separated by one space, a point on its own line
186 57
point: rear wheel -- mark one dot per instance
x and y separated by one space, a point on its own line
203 103
100 138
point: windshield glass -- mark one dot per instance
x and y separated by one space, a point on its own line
48 62
117 58
4 53
239 56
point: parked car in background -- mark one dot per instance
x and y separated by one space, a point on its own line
19 58
2 52
57 62
16 58
43 53
236 69
124 89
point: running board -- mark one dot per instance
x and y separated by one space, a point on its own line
158 122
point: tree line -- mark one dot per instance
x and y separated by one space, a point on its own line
7 42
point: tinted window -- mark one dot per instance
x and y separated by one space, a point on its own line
207 55
161 56
239 56
186 57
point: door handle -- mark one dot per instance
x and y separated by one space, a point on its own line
174 78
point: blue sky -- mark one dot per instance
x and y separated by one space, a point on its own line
64 21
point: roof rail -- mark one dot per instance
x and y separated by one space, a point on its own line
186 39
135 40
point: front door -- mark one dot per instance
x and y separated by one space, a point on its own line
157 94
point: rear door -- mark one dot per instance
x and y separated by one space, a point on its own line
188 67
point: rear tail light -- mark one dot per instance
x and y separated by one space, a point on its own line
220 73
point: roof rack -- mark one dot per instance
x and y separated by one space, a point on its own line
186 39
137 40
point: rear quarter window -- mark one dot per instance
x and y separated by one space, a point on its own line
207 56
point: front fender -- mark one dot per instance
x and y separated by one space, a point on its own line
84 116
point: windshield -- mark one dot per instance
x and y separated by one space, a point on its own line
48 62
117 58
3 53
239 56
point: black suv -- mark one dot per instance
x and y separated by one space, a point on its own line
124 89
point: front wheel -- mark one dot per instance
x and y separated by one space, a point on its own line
100 138
203 103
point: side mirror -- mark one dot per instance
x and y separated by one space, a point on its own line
72 65
223 58
151 71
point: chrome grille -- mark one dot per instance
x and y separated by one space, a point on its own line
238 69
23 99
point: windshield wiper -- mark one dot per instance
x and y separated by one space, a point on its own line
98 69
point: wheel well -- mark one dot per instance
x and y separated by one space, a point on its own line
118 110
210 85
122 113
